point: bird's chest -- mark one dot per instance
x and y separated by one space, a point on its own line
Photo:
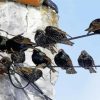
37 59
60 61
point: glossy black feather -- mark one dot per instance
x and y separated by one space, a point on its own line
86 61
38 57
63 61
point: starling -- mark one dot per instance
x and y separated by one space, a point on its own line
42 40
40 59
18 43
63 61
56 35
18 57
86 61
94 26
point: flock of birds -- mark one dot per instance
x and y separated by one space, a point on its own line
47 38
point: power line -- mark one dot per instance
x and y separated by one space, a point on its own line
82 36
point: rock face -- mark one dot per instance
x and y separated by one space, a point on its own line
16 19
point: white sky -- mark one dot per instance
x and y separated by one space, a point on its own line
75 16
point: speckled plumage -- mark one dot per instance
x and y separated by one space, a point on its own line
42 40
57 35
63 61
86 61
18 43
18 57
94 26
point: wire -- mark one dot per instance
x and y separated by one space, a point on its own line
82 36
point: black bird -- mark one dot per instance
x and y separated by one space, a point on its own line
86 61
18 57
18 43
63 61
40 59
94 26
51 4
56 35
42 40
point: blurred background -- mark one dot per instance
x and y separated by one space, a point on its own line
74 17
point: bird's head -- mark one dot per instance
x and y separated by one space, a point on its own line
94 25
60 51
39 32
36 50
48 28
84 53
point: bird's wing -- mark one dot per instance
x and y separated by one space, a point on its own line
91 60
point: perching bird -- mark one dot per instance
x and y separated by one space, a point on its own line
18 43
42 40
18 57
86 61
56 35
33 76
37 3
63 61
40 59
94 26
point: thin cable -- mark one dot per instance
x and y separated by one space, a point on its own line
82 36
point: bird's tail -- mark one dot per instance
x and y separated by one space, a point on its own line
67 42
71 70
52 49
92 70
90 29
